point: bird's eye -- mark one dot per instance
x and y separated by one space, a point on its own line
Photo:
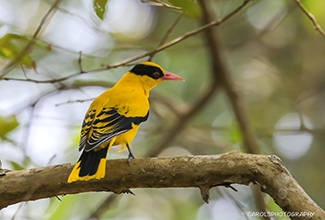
156 74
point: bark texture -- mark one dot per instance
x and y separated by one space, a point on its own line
203 172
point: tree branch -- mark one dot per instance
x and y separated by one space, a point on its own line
149 53
203 172
208 93
311 17
222 77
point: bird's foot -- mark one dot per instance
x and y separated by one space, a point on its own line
130 157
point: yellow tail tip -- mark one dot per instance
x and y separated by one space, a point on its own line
74 175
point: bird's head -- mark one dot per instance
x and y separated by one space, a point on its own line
152 74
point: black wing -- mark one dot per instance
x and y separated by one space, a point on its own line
105 126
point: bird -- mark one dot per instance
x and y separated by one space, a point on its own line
114 117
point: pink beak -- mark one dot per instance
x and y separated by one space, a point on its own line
172 76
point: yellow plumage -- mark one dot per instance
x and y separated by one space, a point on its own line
114 117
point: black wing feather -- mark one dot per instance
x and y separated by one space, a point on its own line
105 126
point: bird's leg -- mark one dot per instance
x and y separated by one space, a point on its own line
131 155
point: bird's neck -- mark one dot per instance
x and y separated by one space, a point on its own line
132 81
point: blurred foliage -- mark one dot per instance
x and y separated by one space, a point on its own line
7 124
16 166
11 45
316 9
100 8
271 49
189 7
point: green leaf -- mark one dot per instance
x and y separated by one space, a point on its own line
62 210
18 39
16 166
189 7
273 207
7 124
234 133
100 8
11 46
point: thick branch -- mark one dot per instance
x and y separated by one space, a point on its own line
191 171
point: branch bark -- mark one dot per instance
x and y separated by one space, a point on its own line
203 172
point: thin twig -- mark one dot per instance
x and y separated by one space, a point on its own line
170 29
31 43
160 48
161 3
74 101
184 119
51 81
311 17
18 210
103 207
201 102
80 62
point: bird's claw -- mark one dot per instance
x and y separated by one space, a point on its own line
130 157
128 191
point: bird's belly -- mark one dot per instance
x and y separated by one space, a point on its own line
126 137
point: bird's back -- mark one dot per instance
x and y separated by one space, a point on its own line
129 101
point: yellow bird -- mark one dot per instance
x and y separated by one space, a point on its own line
114 117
